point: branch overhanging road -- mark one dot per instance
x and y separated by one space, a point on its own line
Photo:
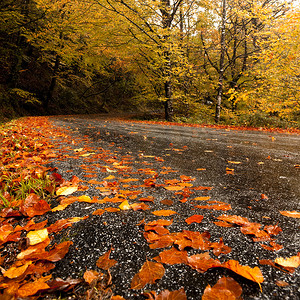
255 172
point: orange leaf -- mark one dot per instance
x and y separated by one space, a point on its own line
202 262
226 288
292 214
172 257
137 206
15 272
99 212
174 188
160 222
31 288
149 273
245 271
167 295
104 262
202 198
221 206
90 275
164 212
194 219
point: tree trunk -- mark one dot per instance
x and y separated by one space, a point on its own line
168 101
167 67
49 95
221 70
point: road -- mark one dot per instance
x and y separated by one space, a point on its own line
255 172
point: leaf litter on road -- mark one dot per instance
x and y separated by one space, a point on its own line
155 233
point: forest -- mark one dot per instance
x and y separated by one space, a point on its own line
231 62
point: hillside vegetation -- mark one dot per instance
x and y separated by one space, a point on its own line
229 61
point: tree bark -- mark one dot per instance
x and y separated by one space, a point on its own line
49 95
221 70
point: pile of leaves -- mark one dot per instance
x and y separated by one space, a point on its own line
30 191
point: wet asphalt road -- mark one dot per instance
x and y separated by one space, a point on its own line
266 166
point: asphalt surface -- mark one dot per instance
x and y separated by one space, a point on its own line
266 166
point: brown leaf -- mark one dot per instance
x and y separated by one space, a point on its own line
202 262
281 283
194 219
139 206
220 248
194 239
90 275
104 262
149 273
167 295
172 257
225 289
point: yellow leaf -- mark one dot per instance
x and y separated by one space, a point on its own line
234 162
110 177
66 190
87 154
291 262
125 205
37 236
60 207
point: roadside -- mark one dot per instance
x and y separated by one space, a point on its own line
157 173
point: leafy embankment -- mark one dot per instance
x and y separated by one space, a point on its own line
29 189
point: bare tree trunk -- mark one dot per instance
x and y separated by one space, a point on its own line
166 24
221 70
49 95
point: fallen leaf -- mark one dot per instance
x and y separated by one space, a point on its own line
292 214
290 262
194 219
167 295
164 212
124 205
253 274
17 271
225 289
172 257
104 262
37 236
31 288
202 262
149 273
281 283
202 198
66 190
90 275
